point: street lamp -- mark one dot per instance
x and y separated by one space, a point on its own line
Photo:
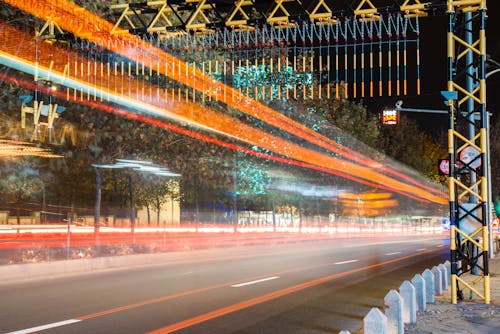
134 165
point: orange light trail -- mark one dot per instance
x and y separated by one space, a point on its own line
206 138
85 24
224 124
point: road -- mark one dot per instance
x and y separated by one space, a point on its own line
304 287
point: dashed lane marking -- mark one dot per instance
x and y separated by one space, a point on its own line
348 261
44 327
254 282
394 253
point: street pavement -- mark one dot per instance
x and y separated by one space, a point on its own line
301 288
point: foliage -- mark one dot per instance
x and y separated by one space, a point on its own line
351 117
20 182
406 143
154 192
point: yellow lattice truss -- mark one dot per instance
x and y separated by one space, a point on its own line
243 10
477 191
161 20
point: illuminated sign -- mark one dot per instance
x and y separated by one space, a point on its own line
444 166
390 117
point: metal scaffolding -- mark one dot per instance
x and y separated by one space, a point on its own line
284 50
467 146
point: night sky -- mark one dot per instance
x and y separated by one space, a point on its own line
434 73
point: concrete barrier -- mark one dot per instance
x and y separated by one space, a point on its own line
444 276
419 283
394 312
401 308
438 288
429 286
375 322
407 292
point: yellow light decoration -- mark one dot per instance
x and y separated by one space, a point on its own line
15 148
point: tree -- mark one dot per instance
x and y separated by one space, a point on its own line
406 143
21 182
154 192
326 114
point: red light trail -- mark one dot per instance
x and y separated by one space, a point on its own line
203 137
221 123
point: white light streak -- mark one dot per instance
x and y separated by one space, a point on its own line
30 68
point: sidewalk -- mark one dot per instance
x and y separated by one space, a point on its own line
466 317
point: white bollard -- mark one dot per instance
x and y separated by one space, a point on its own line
394 312
448 267
419 283
375 322
438 288
444 276
429 286
408 293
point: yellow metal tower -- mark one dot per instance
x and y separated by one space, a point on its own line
467 147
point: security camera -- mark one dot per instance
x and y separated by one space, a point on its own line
399 104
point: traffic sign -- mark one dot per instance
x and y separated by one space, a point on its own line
470 156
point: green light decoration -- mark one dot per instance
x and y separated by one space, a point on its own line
252 178
497 206
261 76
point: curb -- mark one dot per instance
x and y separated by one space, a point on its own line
401 307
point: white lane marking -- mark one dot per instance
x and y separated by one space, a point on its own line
348 261
254 282
421 249
393 253
439 246
43 327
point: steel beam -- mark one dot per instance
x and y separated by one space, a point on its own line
199 15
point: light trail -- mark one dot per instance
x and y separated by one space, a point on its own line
226 125
207 138
16 148
211 120
85 24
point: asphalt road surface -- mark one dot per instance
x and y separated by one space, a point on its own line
304 287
